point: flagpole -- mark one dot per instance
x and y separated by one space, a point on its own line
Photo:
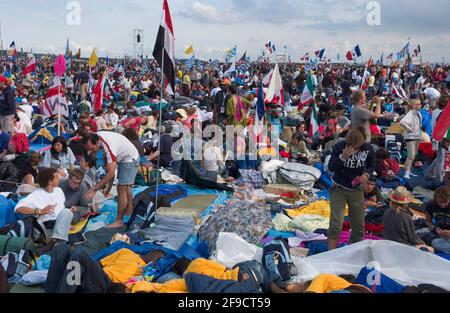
59 107
160 116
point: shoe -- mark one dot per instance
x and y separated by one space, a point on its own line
406 176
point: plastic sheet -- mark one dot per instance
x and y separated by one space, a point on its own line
232 249
406 265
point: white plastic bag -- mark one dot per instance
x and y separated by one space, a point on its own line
232 249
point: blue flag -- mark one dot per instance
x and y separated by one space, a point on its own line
358 51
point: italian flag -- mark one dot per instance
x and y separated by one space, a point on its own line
307 99
442 128
308 92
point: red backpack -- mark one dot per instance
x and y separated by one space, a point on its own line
20 144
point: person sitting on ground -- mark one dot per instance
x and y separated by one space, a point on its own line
132 135
4 143
298 150
329 133
437 212
74 190
372 195
343 123
135 122
164 153
76 143
59 156
101 121
387 167
111 272
29 171
301 130
48 204
398 222
111 117
85 118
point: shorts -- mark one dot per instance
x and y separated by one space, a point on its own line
126 173
7 123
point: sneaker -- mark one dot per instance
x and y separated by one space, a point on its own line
406 176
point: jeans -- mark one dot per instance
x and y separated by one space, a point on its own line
413 148
259 275
441 244
62 276
62 225
339 197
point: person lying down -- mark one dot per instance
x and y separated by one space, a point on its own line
124 271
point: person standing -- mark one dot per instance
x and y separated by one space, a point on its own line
361 115
7 106
352 161
121 154
412 123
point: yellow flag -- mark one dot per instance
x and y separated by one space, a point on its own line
228 50
93 60
189 50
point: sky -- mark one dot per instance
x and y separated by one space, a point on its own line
212 26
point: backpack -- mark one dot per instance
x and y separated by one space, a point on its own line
16 264
29 227
144 210
277 259
20 144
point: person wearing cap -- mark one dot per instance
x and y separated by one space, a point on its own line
398 222
7 105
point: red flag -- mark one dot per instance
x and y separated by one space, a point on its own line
31 66
443 124
97 93
349 56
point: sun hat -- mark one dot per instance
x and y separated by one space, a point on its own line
401 195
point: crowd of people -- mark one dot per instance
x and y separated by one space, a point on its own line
367 138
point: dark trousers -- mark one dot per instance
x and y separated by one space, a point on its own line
63 279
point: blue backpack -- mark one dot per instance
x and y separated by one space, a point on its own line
277 259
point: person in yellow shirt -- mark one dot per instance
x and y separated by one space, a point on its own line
112 271
182 267
326 283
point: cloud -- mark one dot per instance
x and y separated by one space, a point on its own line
205 13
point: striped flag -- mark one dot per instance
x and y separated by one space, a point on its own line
55 101
165 46
31 66
308 92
